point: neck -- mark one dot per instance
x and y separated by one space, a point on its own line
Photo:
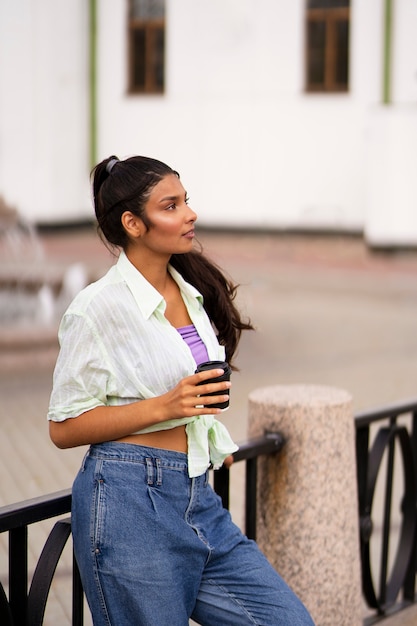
154 269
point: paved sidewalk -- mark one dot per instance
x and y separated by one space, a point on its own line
327 311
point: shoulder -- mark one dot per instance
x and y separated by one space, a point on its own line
104 288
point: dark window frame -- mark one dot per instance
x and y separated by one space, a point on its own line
152 66
331 18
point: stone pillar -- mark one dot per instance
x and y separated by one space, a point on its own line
307 516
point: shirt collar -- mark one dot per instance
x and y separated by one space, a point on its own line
146 296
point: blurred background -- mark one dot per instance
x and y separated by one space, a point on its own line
294 128
281 115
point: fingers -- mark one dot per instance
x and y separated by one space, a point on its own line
191 395
204 405
210 388
206 375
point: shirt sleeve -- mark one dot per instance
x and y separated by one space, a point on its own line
81 376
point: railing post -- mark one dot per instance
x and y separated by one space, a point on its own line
18 573
410 581
307 521
77 595
250 494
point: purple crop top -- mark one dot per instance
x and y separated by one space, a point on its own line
194 342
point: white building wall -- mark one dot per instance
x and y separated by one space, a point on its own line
390 218
16 115
366 52
405 52
253 149
44 108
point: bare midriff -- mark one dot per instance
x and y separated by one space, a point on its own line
172 439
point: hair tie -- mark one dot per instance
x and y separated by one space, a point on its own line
110 165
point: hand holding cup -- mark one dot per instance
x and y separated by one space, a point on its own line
212 365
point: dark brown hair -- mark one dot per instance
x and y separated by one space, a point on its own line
120 186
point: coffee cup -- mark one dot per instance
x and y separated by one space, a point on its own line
214 365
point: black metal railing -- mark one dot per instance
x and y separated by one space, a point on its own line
23 608
386 443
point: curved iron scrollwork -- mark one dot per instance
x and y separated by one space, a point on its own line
45 570
390 582
41 580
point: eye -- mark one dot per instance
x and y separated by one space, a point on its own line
187 199
171 207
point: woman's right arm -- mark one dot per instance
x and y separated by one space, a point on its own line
108 423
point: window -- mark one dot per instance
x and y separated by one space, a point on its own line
327 45
146 37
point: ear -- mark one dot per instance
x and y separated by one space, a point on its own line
132 224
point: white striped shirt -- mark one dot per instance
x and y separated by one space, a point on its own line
117 347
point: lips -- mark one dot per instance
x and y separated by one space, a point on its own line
189 234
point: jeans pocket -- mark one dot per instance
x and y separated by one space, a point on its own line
98 509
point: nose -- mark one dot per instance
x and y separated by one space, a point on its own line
192 215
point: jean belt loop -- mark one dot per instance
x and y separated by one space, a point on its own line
158 472
149 466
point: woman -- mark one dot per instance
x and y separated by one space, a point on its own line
152 541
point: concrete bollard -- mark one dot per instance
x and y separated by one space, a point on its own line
307 515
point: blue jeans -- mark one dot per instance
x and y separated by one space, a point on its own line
156 548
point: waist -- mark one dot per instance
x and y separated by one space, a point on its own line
121 451
205 439
173 439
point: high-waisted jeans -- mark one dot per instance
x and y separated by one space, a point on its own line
156 548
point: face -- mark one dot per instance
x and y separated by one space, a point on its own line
171 228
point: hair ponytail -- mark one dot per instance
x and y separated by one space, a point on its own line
120 186
219 293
